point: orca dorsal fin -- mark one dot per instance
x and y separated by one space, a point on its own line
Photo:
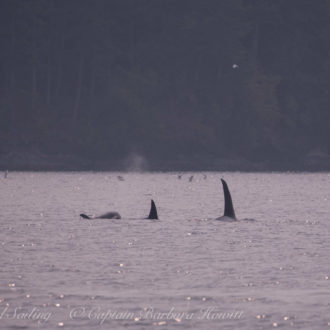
229 208
153 211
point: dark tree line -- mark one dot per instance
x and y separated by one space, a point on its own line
167 79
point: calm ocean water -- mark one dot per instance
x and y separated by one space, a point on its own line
186 271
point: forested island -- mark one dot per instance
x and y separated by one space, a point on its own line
165 85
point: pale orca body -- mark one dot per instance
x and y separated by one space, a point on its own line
229 213
153 215
108 215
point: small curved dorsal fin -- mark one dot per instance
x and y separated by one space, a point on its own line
229 208
153 211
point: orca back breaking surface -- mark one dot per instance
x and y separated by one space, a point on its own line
108 215
229 213
153 211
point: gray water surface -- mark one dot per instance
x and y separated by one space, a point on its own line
186 271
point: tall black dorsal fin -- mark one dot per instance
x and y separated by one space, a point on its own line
229 208
153 211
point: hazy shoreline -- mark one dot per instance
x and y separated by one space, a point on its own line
23 161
